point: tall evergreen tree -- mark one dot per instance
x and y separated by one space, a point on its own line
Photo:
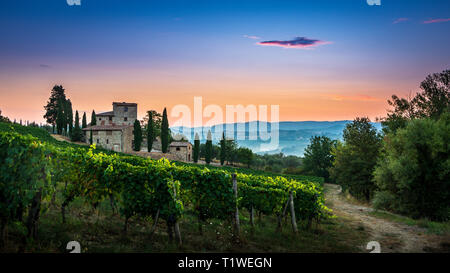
137 132
223 153
69 115
90 138
208 155
51 109
76 133
60 121
196 148
164 132
93 118
150 132
84 122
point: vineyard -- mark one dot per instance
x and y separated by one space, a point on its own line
35 173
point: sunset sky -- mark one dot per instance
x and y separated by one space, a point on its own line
318 60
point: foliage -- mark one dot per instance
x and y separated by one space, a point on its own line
223 151
164 132
150 131
355 159
84 122
77 133
432 101
245 156
137 133
93 118
196 148
413 174
24 175
208 152
157 122
54 104
318 158
69 115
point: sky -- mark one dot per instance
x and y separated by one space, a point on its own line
316 59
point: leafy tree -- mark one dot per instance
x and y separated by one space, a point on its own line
318 158
150 131
84 122
57 97
432 101
164 132
208 155
77 132
157 122
93 118
5 119
223 153
230 151
413 175
137 132
196 147
245 156
355 159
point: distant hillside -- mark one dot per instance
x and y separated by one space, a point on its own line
293 135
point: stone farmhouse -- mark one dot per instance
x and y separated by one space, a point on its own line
114 131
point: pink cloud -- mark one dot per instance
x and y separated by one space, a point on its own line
299 42
399 20
441 20
252 37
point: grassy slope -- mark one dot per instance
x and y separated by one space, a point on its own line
101 231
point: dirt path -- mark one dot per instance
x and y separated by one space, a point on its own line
393 237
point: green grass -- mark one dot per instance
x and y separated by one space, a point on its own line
439 228
102 231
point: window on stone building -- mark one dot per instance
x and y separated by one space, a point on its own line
99 118
107 141
125 119
125 109
98 140
110 118
178 148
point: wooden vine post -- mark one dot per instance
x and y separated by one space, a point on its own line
236 214
293 220
176 224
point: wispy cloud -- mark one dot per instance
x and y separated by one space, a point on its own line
299 42
399 20
440 20
45 66
253 37
357 97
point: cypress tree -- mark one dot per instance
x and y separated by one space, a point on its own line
150 132
93 118
196 147
223 153
208 154
60 120
90 138
76 133
137 132
84 122
69 115
164 132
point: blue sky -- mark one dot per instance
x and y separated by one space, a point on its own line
183 46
